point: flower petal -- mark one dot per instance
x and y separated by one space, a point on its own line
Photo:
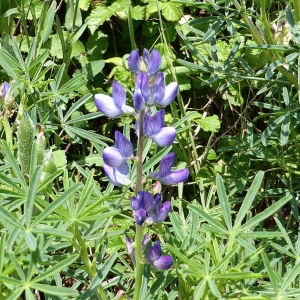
154 252
146 200
124 145
4 90
135 203
163 212
157 90
138 100
155 123
140 216
142 83
128 110
134 61
165 137
118 176
154 62
145 56
119 94
163 263
130 248
146 239
175 177
170 94
107 106
113 157
166 164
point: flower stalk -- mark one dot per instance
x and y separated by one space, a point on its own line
148 209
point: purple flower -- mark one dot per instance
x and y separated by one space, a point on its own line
155 258
165 175
4 90
140 96
119 175
149 209
154 128
159 211
160 94
149 64
141 204
113 106
130 248
116 156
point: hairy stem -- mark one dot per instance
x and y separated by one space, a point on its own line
139 266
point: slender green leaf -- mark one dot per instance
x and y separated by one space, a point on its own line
224 202
285 129
30 240
254 221
272 276
249 198
33 186
54 290
76 106
13 163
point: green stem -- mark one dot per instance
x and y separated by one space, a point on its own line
139 264
266 23
297 10
85 257
140 146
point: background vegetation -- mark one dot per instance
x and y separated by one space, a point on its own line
234 226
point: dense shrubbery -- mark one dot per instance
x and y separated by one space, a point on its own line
230 231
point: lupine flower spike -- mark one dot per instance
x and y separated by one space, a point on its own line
165 175
150 90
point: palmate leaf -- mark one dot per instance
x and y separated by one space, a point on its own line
56 203
55 268
209 219
75 133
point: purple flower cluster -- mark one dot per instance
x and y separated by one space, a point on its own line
150 90
154 256
146 70
149 209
